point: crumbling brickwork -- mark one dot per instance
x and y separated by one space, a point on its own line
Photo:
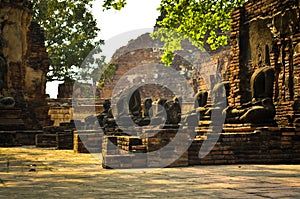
266 33
144 50
36 69
23 49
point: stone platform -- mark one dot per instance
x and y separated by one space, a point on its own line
234 145
11 119
88 141
18 137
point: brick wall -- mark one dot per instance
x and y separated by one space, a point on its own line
262 146
237 145
23 49
144 50
60 114
266 32
65 90
62 109
36 69
88 141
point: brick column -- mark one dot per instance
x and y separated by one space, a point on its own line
235 64
296 63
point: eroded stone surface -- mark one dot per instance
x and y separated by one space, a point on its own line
64 174
23 53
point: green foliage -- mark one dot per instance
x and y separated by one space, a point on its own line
96 69
92 67
201 21
116 4
107 73
172 42
70 31
197 19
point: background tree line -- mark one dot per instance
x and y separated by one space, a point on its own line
71 30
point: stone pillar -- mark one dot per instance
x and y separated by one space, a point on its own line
35 71
296 63
237 43
15 19
23 49
37 64
65 90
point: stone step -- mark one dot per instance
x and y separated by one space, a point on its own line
45 140
18 137
206 118
8 139
11 124
240 129
12 121
10 113
202 131
204 122
27 137
65 140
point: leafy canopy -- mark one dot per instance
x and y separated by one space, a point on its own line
201 21
70 32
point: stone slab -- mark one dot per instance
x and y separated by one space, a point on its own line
10 113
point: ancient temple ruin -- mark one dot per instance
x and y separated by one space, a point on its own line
24 65
267 33
262 91
259 77
141 51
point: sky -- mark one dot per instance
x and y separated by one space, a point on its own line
138 17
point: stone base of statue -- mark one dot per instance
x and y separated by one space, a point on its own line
7 102
260 112
145 121
11 119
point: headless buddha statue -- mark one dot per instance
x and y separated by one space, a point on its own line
261 109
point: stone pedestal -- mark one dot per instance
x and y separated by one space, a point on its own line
123 152
7 138
161 152
148 150
45 140
11 119
88 141
65 140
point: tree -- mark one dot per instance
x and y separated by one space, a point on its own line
200 21
70 32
